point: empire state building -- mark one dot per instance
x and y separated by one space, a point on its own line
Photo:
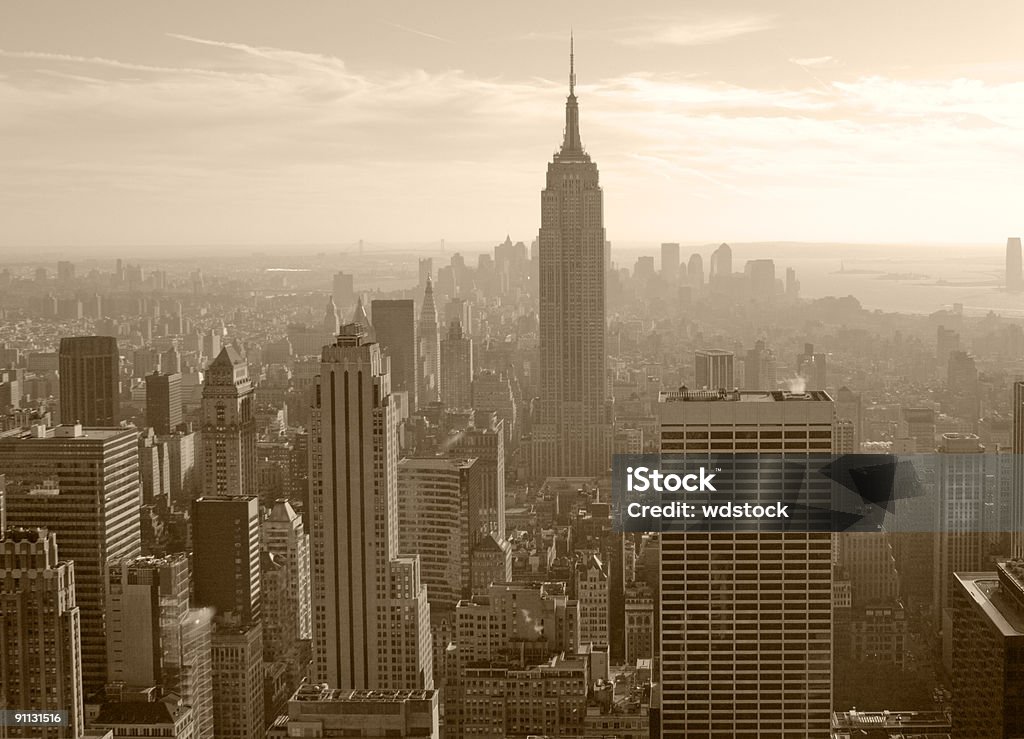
573 433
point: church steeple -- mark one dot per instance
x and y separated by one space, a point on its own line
571 143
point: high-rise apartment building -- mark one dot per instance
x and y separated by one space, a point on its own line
228 435
394 322
359 584
573 433
83 485
154 639
226 556
747 610
713 369
429 352
90 385
456 368
40 647
163 402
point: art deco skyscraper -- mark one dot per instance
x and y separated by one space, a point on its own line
371 621
89 380
573 434
456 368
229 428
746 617
41 666
430 348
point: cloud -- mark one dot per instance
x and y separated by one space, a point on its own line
694 33
812 61
418 32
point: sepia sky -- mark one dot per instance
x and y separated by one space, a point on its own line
129 123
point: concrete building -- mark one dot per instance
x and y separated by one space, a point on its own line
83 485
713 369
288 618
40 645
429 352
237 668
592 592
319 711
155 640
144 717
456 368
163 402
394 322
772 591
441 519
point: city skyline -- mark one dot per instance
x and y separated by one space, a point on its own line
774 125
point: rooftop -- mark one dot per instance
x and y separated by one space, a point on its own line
321 693
684 395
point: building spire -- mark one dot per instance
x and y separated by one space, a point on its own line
571 142
572 65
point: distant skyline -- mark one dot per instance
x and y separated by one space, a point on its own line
235 123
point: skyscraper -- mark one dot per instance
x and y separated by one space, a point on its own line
287 620
331 323
751 611
573 435
83 485
1016 502
670 261
226 556
456 368
358 583
41 667
813 367
154 638
429 348
1014 277
713 369
163 402
89 380
343 290
229 428
395 324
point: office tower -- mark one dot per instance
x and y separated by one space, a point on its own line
331 323
759 368
592 591
1014 277
66 271
89 380
170 361
163 402
358 583
812 367
643 271
492 391
766 628
695 272
343 290
1016 501
792 284
228 435
41 660
154 638
964 389
670 261
760 277
426 271
639 622
720 268
573 436
988 652
960 538
713 369
324 711
456 368
461 310
226 556
287 620
154 470
180 448
486 443
237 669
395 324
850 418
946 341
491 563
83 485
441 518
919 424
429 353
